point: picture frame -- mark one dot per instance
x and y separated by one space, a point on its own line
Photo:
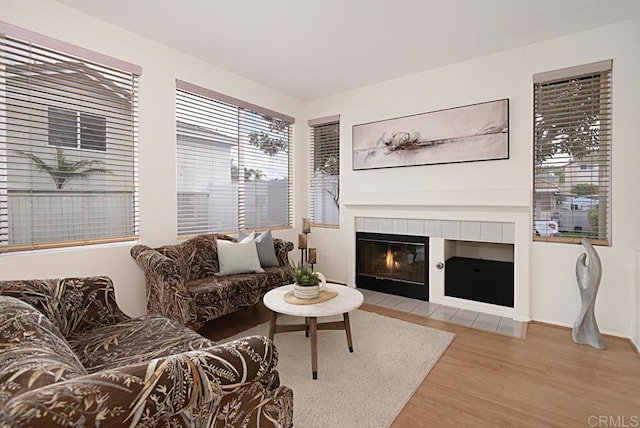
476 132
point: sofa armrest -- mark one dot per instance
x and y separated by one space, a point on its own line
167 294
73 304
187 385
282 247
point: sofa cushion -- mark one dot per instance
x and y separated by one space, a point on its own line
210 291
33 352
134 341
235 258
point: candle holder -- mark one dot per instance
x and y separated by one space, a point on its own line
312 256
308 256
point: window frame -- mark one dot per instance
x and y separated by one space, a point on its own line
23 150
244 110
598 74
314 125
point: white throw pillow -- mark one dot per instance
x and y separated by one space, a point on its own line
238 257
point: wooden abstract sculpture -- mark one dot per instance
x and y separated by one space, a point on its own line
585 329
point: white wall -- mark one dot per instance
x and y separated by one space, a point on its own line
161 66
553 290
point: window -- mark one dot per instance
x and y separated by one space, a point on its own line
233 163
572 154
324 170
68 144
73 129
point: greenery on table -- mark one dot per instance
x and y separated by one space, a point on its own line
304 275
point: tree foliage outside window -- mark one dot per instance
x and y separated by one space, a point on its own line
62 171
585 189
577 136
273 141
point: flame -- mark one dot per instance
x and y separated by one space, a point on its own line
389 259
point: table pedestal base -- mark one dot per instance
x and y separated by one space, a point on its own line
311 327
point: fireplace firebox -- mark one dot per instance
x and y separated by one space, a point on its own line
394 264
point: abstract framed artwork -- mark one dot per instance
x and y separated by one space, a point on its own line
476 132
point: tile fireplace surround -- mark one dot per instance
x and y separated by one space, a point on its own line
443 231
478 231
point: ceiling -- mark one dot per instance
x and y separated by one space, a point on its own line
308 49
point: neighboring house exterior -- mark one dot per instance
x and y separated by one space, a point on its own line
579 203
546 188
574 209
206 192
555 199
580 172
43 117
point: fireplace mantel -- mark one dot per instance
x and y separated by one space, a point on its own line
485 199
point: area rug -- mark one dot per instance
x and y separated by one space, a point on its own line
366 388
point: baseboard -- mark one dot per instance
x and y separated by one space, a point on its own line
570 327
609 335
551 324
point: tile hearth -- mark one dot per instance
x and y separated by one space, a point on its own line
477 320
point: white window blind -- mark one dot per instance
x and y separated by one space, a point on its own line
68 144
572 154
324 171
234 166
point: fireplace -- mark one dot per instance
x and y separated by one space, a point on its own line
394 264
451 238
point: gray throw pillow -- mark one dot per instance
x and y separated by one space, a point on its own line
242 235
265 247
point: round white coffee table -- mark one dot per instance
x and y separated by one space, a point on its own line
347 300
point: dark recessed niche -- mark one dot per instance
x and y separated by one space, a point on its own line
480 271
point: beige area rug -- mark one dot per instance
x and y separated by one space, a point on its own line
366 388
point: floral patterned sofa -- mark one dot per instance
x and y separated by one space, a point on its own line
182 284
69 357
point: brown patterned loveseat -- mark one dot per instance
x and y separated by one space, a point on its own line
182 281
69 357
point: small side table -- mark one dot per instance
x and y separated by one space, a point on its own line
347 300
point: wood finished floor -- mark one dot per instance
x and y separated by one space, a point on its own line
486 379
